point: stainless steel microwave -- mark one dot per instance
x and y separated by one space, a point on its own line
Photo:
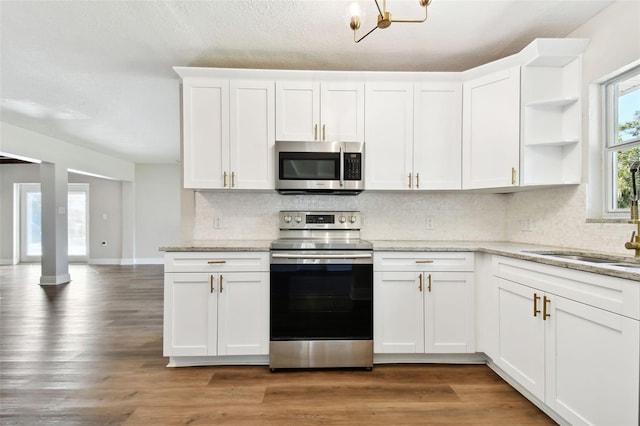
319 167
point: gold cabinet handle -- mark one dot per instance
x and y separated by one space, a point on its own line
224 180
211 286
536 311
513 176
420 285
220 283
409 181
545 315
424 261
216 262
429 286
324 132
417 180
315 132
233 179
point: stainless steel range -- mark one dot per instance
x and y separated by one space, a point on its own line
321 310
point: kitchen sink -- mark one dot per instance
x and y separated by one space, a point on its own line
580 257
603 259
626 265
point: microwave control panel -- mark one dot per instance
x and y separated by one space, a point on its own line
352 166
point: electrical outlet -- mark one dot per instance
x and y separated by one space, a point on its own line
217 222
527 225
429 223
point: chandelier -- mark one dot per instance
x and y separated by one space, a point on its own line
384 18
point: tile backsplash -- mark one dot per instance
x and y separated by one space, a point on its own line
553 216
386 215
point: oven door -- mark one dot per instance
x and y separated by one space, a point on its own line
321 296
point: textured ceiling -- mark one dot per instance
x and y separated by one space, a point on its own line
99 73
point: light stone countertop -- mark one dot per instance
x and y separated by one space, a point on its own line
509 249
221 245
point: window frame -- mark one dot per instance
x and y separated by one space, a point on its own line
610 146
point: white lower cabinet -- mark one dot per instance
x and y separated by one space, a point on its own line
215 313
579 359
418 308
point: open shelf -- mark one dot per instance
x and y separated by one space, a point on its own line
552 142
553 103
551 121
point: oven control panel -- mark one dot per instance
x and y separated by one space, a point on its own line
294 219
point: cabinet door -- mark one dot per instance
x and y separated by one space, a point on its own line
521 336
592 364
398 313
491 130
449 312
205 132
437 140
252 134
297 110
342 112
190 326
389 130
243 303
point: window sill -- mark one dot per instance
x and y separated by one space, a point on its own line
608 220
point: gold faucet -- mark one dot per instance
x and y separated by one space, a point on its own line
634 244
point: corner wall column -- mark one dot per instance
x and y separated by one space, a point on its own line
54 186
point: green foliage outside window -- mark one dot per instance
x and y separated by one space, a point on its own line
625 159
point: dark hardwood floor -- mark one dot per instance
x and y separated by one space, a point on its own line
90 353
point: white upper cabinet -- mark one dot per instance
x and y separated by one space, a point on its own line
252 134
437 137
389 136
312 111
413 135
491 130
205 120
228 133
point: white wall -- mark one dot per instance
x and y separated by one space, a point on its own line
157 210
17 141
560 215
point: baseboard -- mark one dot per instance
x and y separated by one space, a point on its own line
149 261
473 358
55 279
127 262
104 261
194 361
7 262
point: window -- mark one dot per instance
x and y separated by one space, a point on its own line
30 218
622 141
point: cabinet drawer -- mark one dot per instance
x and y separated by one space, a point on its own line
216 261
612 294
423 261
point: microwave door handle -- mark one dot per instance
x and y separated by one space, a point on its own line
341 167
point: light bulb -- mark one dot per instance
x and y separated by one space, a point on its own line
354 15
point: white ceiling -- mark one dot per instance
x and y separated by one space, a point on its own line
99 73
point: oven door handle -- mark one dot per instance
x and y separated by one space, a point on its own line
321 256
